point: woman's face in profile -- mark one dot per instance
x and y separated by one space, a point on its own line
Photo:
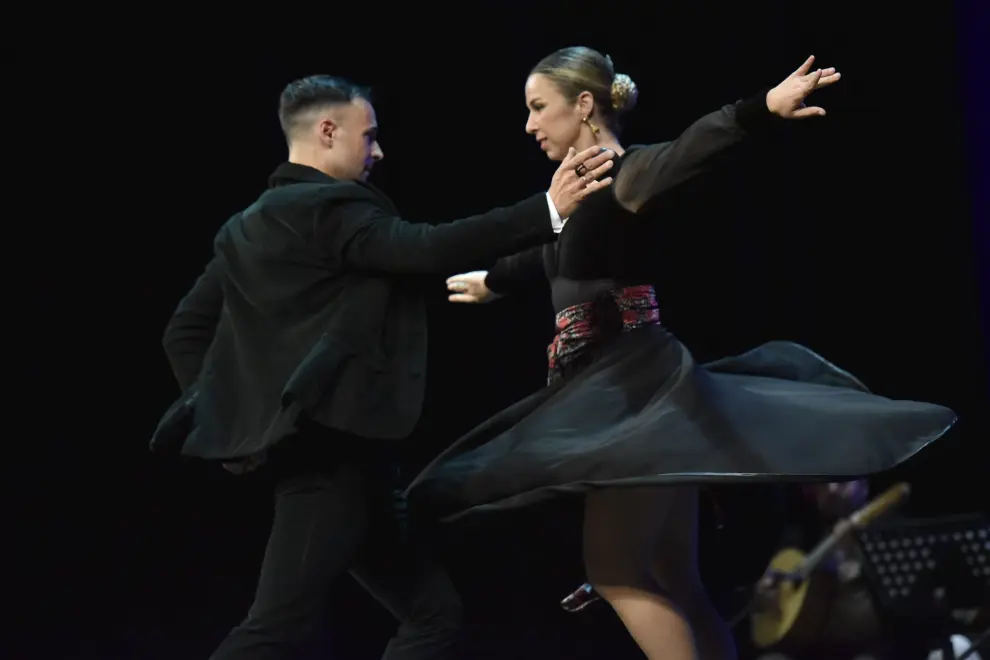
553 121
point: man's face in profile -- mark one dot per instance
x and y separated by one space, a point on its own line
355 140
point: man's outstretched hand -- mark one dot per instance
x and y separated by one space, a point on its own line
470 288
576 178
787 99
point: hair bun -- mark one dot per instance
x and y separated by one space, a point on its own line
624 93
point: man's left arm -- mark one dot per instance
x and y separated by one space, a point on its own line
190 331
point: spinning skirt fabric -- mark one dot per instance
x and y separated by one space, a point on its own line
642 412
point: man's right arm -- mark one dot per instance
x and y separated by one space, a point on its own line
365 235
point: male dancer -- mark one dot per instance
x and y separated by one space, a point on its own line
302 348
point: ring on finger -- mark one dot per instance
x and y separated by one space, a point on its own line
580 170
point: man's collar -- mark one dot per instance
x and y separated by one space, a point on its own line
287 173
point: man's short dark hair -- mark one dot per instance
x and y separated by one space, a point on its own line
305 94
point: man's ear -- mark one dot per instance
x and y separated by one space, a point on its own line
327 129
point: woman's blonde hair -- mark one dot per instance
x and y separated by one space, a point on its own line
579 69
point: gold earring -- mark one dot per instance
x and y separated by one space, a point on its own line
594 129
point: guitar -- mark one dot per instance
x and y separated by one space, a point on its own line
793 600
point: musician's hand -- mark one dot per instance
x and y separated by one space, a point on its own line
576 177
767 592
772 579
849 570
767 585
787 98
470 288
839 499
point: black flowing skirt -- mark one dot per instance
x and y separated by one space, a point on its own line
642 412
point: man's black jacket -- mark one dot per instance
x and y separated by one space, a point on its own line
307 308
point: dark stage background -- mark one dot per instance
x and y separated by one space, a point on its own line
853 235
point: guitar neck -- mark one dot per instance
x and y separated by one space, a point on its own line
860 519
824 549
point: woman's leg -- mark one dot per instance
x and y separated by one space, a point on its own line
640 552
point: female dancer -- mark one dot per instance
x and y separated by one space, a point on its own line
628 418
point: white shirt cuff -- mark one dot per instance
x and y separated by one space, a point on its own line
555 220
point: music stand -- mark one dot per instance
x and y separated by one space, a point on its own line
923 571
